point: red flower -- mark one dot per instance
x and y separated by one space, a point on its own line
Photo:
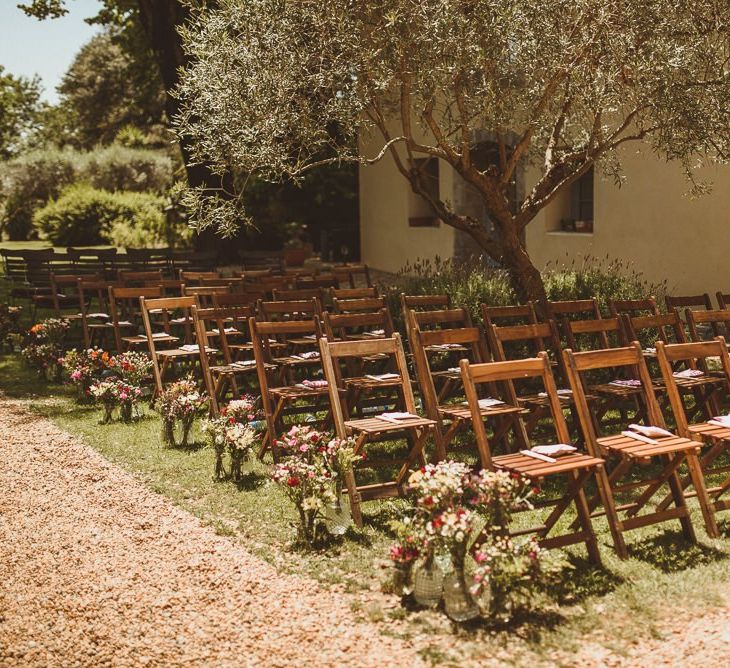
292 481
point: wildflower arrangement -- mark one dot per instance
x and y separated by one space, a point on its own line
132 366
83 368
311 473
236 430
178 405
9 324
43 347
451 506
113 393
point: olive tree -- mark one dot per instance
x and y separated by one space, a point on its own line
278 87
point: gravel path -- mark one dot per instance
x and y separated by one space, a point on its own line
95 570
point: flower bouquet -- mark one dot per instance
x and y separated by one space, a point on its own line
83 368
43 347
133 366
112 393
178 405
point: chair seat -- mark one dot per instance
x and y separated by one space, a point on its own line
619 391
361 382
295 392
376 425
141 338
630 447
177 352
710 432
536 468
456 412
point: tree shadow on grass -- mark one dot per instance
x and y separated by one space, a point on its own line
671 552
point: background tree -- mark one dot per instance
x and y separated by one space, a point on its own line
560 86
105 90
20 110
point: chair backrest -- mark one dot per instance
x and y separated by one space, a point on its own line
453 318
353 293
67 286
298 294
723 300
694 354
167 306
578 365
355 325
192 277
333 352
514 341
204 293
139 278
301 309
233 299
578 332
425 343
517 314
716 322
574 309
507 372
216 323
702 301
124 306
362 305
424 302
349 273
320 281
667 327
633 307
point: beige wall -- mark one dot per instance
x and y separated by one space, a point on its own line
649 222
386 240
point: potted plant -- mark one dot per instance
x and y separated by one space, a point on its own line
296 247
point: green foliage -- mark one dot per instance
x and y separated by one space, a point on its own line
87 215
470 284
29 181
103 92
120 168
19 110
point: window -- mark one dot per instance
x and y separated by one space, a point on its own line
581 202
420 212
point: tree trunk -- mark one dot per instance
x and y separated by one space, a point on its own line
525 277
161 20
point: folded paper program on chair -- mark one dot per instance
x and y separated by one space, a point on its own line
650 431
688 373
397 416
382 376
556 450
721 421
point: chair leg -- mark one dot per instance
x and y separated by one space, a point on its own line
584 516
680 502
698 481
614 523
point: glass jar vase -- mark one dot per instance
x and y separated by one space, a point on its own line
428 584
458 601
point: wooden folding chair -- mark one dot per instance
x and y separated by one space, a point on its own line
576 468
633 307
96 323
381 427
348 274
163 359
300 294
628 453
204 293
221 300
300 309
127 318
669 328
705 324
131 279
701 302
517 314
442 390
214 326
424 302
289 381
713 435
63 297
353 293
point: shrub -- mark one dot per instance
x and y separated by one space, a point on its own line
119 167
470 284
86 215
28 182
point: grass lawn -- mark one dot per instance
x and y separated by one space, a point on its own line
614 606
